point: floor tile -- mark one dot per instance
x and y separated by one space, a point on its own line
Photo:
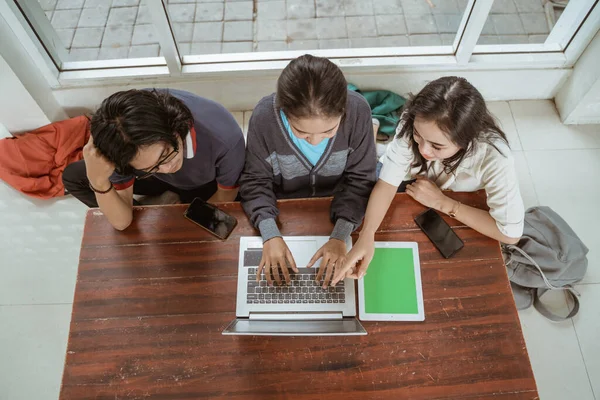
540 128
183 31
587 326
391 24
145 50
302 29
87 37
33 345
300 9
329 8
63 19
69 4
309 44
182 12
420 23
208 32
425 40
83 54
358 7
205 48
122 16
331 28
501 110
93 17
361 27
65 36
272 45
236 47
526 185
242 10
555 357
209 12
273 10
240 31
507 24
569 187
113 53
40 249
386 7
143 34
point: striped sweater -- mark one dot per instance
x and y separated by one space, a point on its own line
276 169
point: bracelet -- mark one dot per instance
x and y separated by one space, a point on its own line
453 212
100 191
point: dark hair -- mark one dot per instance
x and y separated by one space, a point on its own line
312 86
459 110
129 120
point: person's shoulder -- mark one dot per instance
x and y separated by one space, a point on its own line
493 152
264 111
357 102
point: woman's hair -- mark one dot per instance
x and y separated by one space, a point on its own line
129 120
312 86
459 110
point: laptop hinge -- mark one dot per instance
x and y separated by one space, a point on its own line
295 316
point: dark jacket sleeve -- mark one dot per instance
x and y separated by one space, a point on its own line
256 184
350 202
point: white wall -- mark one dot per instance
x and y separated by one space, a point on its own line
242 93
578 101
26 99
18 110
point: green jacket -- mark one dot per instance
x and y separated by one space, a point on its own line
386 106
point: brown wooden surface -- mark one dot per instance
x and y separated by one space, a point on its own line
151 302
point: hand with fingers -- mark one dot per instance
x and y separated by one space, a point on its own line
427 193
98 168
332 255
357 260
276 256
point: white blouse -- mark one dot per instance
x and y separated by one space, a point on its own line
485 168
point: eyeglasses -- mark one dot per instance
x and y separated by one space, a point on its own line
166 159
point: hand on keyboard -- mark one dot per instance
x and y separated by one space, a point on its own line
276 256
305 289
332 253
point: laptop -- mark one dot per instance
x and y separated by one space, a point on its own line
302 309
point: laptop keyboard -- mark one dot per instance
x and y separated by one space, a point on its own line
303 290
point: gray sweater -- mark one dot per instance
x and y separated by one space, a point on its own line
276 169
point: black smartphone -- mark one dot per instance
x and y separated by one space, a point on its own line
209 217
439 232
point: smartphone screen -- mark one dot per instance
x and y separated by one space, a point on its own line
439 232
216 221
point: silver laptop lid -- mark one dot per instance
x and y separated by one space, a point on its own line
339 327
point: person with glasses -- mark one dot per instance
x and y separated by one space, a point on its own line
152 142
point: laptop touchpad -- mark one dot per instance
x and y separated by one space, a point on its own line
303 250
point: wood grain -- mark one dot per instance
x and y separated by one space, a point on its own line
151 303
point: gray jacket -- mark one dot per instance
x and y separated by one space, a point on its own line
276 169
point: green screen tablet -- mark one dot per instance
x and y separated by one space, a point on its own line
391 290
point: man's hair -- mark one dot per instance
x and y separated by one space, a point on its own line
130 120
312 87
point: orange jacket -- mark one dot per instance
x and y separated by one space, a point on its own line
33 162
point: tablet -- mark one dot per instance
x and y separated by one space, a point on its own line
391 289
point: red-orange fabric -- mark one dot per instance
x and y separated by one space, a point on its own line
33 162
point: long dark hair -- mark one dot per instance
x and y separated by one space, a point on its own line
459 111
132 119
312 86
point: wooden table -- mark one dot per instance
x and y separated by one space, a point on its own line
151 302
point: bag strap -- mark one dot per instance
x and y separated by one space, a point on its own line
535 264
542 309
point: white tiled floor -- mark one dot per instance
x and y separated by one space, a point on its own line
557 165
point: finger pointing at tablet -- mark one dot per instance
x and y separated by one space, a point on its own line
362 252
